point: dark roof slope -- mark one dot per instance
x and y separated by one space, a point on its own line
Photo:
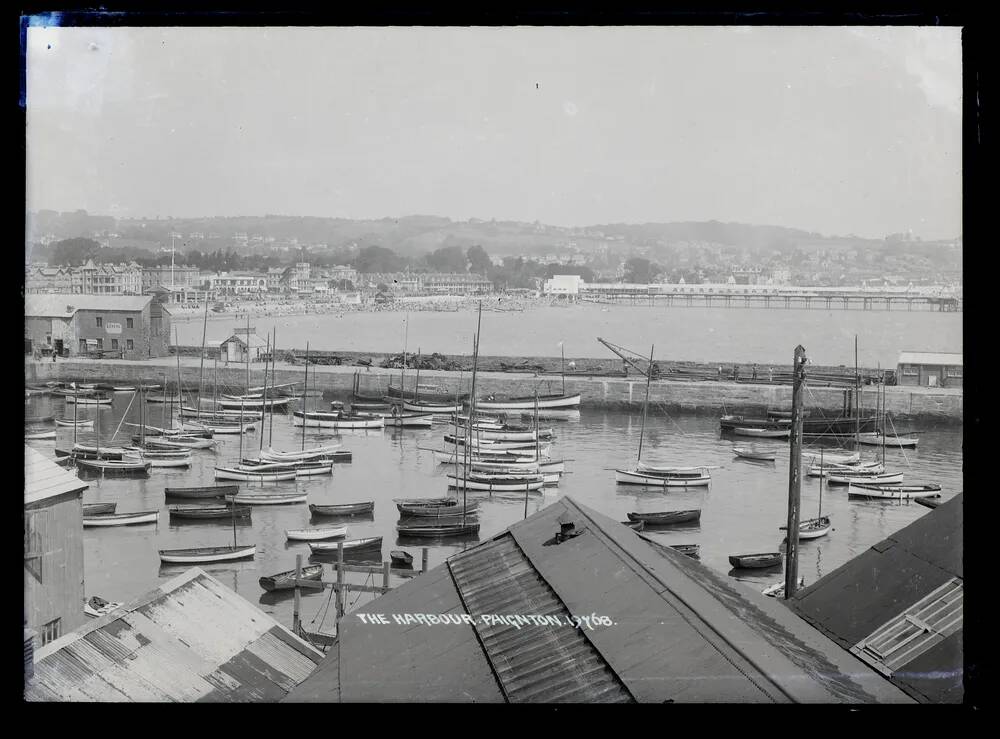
604 615
876 587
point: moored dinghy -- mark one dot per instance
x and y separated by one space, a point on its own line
267 499
859 489
812 528
754 454
891 478
39 434
334 532
208 554
877 439
96 607
209 512
755 561
81 424
666 518
126 467
120 519
636 477
343 509
207 491
236 473
286 580
371 542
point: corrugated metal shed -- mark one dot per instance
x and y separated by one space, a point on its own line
935 358
60 305
192 639
44 479
853 601
675 631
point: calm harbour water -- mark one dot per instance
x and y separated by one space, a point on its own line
680 333
741 510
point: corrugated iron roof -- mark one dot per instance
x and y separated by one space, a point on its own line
853 601
191 639
676 631
64 305
533 663
44 479
942 358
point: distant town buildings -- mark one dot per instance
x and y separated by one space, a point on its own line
239 283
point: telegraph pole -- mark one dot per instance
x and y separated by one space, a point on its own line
795 474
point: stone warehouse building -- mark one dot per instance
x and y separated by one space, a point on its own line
74 325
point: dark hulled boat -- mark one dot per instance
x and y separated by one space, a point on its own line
286 580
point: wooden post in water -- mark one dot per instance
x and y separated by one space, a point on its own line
295 611
340 583
385 576
795 474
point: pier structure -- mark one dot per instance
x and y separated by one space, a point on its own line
773 296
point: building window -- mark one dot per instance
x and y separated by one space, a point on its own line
100 322
100 344
51 631
114 343
954 372
48 339
129 344
129 323
911 370
83 346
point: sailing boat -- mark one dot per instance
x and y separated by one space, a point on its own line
656 475
882 438
814 528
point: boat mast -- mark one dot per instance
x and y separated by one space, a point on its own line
402 372
562 349
142 419
416 388
180 394
820 514
201 368
215 387
857 398
164 414
270 432
305 389
247 391
645 405
538 455
268 354
76 402
472 408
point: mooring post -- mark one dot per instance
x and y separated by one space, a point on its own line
385 576
423 560
295 611
794 474
340 583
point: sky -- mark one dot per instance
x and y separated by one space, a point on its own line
835 130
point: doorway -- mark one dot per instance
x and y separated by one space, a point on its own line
59 347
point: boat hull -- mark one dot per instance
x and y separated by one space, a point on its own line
755 561
666 518
286 580
495 486
891 492
372 542
266 499
120 519
315 534
207 554
354 509
210 491
626 477
226 473
209 512
544 402
891 479
897 442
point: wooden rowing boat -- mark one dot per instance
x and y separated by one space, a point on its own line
121 519
94 509
877 439
528 403
286 580
777 590
874 480
436 529
177 442
847 470
83 424
343 509
235 473
688 550
748 453
635 477
426 511
265 499
495 483
114 467
812 528
666 518
39 434
209 512
316 419
82 399
755 561
930 501
635 525
433 408
371 542
761 433
334 532
857 489
208 554
208 491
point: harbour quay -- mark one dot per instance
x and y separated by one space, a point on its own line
933 404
